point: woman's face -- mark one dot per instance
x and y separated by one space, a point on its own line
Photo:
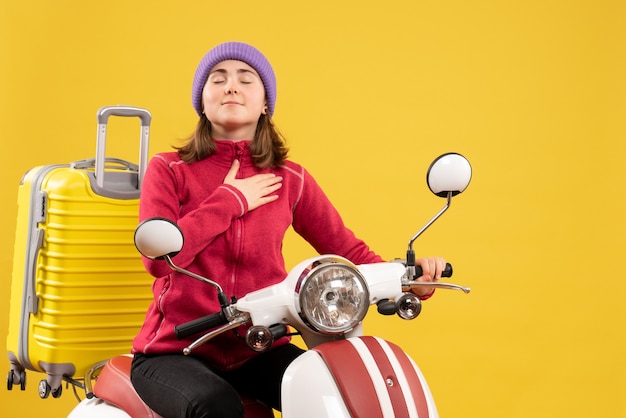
233 99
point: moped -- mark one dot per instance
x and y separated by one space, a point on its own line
325 299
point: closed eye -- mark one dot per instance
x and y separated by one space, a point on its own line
246 76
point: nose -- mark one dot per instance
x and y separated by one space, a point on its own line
231 87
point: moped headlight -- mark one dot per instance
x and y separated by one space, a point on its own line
331 296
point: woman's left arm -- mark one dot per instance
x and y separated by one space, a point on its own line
319 223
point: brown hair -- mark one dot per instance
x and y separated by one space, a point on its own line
268 147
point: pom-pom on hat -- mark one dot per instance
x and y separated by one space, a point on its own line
234 51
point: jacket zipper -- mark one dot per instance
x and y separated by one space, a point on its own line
238 226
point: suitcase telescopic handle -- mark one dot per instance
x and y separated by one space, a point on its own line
103 115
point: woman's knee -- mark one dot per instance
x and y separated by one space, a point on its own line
222 402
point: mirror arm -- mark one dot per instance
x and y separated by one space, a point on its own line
220 293
434 218
410 254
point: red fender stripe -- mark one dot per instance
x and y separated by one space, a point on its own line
355 383
406 365
352 378
415 384
400 409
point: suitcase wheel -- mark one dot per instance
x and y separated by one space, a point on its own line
14 378
45 390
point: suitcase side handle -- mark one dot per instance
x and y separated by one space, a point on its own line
103 115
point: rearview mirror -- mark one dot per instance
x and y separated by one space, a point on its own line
449 172
156 238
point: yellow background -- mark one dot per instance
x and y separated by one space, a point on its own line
532 92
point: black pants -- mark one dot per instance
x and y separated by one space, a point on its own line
175 385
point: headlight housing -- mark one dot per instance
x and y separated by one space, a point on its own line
332 296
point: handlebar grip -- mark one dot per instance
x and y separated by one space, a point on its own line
201 324
447 272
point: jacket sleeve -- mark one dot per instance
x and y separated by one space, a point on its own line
319 223
161 197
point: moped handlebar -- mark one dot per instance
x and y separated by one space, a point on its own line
214 320
199 325
447 271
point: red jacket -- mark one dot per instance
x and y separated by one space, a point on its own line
241 250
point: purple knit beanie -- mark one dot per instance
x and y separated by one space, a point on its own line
234 51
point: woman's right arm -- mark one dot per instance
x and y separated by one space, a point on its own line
162 195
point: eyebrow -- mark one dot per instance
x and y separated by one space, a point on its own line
239 71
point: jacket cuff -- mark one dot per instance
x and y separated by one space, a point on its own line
238 196
428 296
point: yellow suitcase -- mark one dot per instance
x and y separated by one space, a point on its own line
79 291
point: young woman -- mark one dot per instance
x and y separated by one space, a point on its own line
234 193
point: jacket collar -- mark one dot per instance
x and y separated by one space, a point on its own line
228 151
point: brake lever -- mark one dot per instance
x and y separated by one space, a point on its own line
406 286
236 322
